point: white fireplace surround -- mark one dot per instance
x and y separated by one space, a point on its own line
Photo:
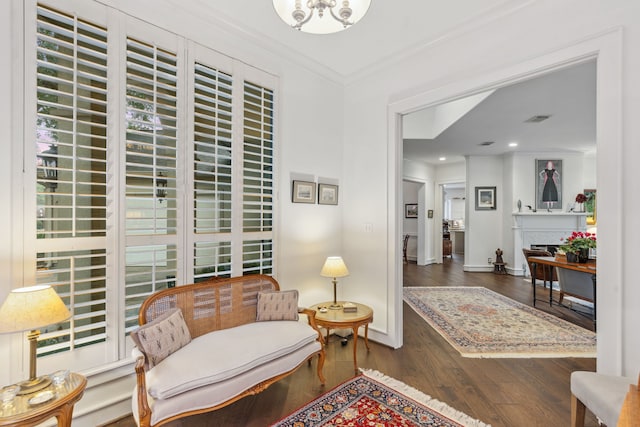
542 228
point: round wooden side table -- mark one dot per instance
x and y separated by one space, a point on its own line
32 409
339 319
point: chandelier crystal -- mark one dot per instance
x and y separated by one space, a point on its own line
321 16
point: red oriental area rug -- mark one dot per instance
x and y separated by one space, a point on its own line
375 400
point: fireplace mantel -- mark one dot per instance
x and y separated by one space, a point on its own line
539 228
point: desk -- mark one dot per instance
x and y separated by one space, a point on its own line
338 319
21 413
550 262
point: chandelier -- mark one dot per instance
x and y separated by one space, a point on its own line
321 16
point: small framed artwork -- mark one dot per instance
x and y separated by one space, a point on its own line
327 194
485 198
430 213
303 192
411 210
590 206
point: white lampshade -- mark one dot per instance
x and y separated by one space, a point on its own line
31 308
298 14
334 266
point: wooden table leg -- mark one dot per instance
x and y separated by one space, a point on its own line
366 336
65 415
534 267
355 348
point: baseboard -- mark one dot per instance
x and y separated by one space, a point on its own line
478 268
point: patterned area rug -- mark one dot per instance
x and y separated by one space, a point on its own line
373 399
481 323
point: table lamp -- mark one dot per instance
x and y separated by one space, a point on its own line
334 267
28 309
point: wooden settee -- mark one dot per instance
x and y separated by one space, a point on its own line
221 318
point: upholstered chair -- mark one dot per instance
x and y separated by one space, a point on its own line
602 394
540 269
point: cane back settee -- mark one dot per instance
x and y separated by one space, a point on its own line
230 355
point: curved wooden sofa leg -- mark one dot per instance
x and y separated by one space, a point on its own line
321 357
144 411
311 317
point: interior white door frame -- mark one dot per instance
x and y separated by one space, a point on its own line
606 48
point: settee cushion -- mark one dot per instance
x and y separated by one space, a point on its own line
215 394
162 337
277 305
226 353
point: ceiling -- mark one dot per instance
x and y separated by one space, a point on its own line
394 29
390 29
568 96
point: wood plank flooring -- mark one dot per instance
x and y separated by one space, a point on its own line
501 392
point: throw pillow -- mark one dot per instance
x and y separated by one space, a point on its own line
277 305
162 336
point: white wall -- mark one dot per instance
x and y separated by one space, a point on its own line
451 172
589 172
484 227
506 49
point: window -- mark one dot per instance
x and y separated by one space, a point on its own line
153 171
71 190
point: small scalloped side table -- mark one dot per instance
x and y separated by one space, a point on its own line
21 413
338 319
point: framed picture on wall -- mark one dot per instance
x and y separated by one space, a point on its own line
548 184
327 194
590 205
485 198
411 210
303 192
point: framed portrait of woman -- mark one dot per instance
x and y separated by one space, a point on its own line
548 184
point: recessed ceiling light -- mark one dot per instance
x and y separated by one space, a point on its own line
513 144
442 159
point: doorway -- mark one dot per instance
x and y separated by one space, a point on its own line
606 49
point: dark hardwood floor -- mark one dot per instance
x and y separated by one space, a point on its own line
500 392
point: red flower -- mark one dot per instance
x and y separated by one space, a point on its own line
581 198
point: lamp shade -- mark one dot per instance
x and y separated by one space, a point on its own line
31 308
334 266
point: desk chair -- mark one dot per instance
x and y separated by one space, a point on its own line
540 269
577 284
602 394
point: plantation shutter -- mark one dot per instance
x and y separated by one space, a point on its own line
212 150
151 259
257 207
151 141
71 156
212 172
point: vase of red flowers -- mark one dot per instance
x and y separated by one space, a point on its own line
580 199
